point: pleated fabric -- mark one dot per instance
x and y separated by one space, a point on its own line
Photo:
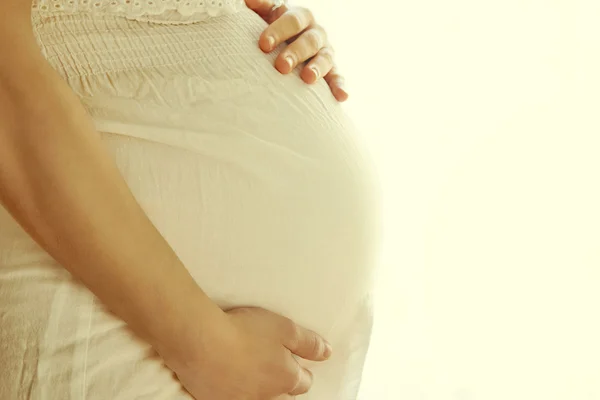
257 180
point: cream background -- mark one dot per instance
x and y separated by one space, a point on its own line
485 119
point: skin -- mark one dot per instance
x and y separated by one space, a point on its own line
60 184
307 44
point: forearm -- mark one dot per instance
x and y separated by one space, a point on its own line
59 183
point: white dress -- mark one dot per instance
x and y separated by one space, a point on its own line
256 179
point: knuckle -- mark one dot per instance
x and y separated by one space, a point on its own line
291 331
309 15
328 54
315 345
296 21
322 31
292 380
314 39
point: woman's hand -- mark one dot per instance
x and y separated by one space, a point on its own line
307 44
102 236
249 355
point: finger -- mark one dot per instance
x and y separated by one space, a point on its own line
307 344
276 13
290 24
306 46
267 9
337 85
319 66
261 7
305 381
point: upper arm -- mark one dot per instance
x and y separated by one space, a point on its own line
15 26
27 80
15 9
18 46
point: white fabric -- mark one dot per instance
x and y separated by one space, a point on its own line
166 11
256 179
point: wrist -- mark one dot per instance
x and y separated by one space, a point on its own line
193 332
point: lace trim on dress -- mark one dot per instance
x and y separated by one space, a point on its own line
168 11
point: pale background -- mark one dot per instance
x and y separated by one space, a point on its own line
484 117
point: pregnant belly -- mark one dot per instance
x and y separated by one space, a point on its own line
253 177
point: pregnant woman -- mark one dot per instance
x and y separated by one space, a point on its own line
180 219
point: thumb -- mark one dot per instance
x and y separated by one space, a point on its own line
308 345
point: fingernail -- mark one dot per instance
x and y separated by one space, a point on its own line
271 41
328 350
342 94
316 71
290 61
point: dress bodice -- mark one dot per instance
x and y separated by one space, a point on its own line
161 11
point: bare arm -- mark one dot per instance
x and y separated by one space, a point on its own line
59 183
